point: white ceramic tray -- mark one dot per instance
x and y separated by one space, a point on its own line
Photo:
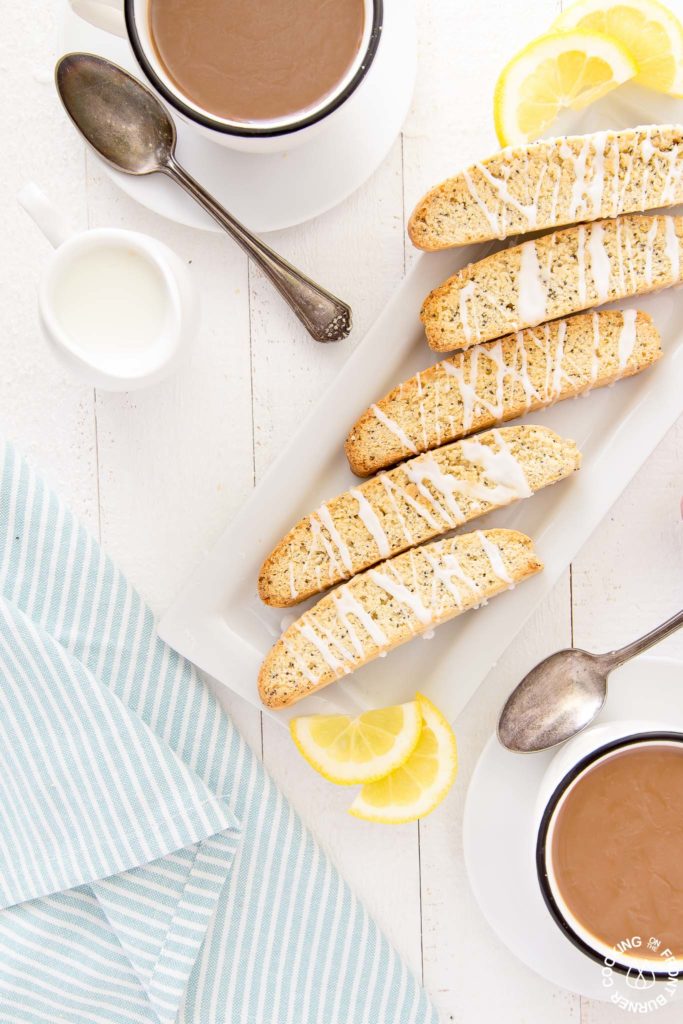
218 621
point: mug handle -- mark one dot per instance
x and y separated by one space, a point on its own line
103 14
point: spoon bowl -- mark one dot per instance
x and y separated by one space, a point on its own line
120 117
564 693
556 700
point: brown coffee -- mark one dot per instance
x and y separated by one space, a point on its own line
617 849
256 60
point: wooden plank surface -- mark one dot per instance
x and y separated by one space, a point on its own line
159 473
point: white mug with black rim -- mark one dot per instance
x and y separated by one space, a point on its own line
130 19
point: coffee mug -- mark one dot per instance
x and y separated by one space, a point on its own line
574 760
130 19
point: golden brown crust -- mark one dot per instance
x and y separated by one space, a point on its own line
411 504
382 608
553 276
552 183
502 379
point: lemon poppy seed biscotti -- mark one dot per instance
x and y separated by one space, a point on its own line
416 502
551 183
387 606
552 276
500 380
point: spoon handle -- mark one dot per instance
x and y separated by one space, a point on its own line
325 317
616 658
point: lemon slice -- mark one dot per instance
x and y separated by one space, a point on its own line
647 29
559 70
355 750
421 783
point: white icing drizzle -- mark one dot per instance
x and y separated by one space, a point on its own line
672 177
371 522
559 359
395 428
627 337
300 662
326 519
600 265
482 394
647 151
446 570
581 262
494 556
587 198
421 408
445 575
427 470
649 248
646 147
388 487
471 400
634 161
532 296
493 220
324 647
622 227
595 356
503 481
501 467
416 505
319 539
577 198
403 594
528 210
671 247
522 375
596 187
466 375
467 294
345 605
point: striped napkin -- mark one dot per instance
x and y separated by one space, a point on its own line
150 871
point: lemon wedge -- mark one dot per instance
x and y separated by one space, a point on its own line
358 750
421 783
647 29
555 71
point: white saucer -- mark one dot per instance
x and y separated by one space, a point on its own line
499 836
269 191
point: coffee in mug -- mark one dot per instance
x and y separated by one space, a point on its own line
256 60
614 850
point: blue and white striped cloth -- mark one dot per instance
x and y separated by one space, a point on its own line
150 871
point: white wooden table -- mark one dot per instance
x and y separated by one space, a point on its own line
156 475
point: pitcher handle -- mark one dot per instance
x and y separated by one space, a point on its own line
44 214
103 14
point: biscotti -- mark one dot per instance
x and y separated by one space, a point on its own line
414 503
384 607
551 183
552 276
500 380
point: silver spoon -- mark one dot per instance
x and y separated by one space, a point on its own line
564 693
127 125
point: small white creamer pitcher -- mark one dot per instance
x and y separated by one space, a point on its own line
117 307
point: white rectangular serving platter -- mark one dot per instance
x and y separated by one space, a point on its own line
218 621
